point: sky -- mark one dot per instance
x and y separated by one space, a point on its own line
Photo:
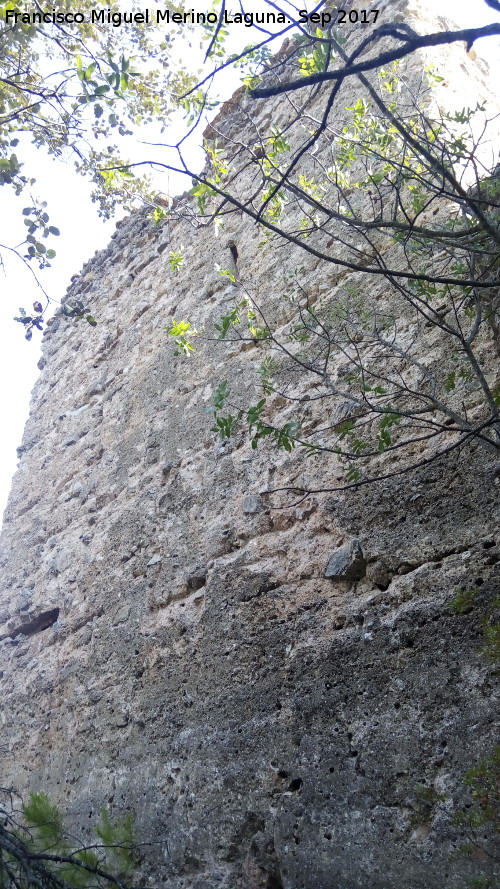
82 233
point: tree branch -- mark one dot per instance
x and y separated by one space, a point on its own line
468 35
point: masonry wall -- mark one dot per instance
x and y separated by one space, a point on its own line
170 644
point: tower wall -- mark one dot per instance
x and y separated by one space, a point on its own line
170 643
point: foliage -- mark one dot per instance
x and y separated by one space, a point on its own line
75 86
463 601
491 631
388 186
479 819
36 851
401 193
176 259
182 333
483 783
225 425
426 803
76 312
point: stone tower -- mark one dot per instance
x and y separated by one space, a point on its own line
170 644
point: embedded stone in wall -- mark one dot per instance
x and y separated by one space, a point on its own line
347 562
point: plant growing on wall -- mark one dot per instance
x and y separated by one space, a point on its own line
477 817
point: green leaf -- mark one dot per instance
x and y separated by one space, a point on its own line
463 601
181 330
254 413
345 428
43 815
118 837
221 395
450 381
87 857
353 474
176 259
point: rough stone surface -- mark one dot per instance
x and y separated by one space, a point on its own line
170 643
347 562
252 504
